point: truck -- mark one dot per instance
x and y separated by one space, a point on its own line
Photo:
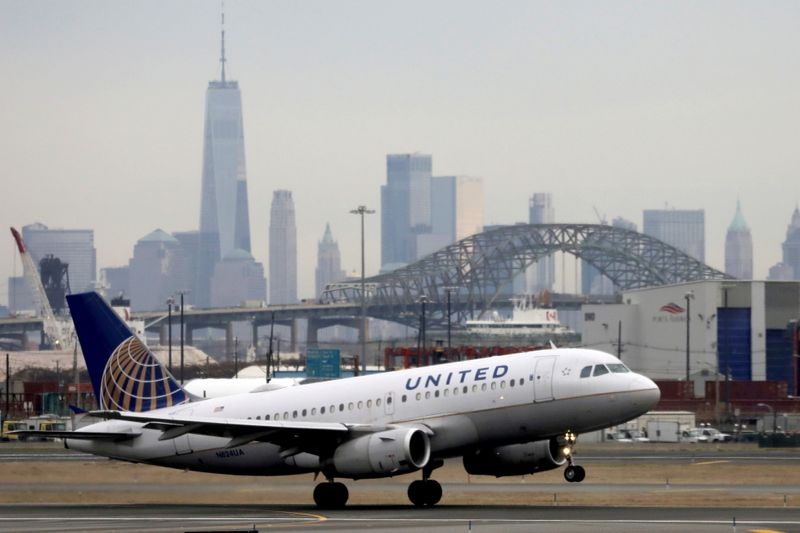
9 426
663 430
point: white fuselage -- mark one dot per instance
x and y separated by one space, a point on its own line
463 406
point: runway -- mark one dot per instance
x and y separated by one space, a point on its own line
488 518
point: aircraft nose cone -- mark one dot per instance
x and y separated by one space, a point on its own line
648 393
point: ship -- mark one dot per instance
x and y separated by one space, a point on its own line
527 320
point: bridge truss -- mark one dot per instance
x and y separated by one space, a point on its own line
475 269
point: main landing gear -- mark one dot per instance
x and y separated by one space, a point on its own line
331 495
426 492
573 473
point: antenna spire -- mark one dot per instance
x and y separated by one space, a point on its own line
222 54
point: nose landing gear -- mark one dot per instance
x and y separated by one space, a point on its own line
573 473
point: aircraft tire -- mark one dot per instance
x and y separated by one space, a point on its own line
571 473
416 493
433 492
331 495
581 474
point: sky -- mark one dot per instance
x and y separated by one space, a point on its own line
619 106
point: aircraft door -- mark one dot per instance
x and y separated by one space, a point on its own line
543 379
388 403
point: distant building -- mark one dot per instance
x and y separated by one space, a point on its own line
456 213
685 229
791 246
739 247
116 281
73 246
405 207
329 262
542 274
282 249
20 297
224 213
157 271
238 278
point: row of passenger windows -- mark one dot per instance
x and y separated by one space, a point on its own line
599 370
455 391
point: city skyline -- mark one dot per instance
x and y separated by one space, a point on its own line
655 101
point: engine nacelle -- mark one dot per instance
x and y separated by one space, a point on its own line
516 459
394 451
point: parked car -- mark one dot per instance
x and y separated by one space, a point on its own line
705 434
627 435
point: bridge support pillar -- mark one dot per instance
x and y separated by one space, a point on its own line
312 333
229 341
254 335
293 328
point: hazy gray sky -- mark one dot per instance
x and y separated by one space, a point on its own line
620 105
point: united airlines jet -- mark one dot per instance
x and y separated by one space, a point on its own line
505 415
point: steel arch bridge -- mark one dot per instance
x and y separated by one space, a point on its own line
476 269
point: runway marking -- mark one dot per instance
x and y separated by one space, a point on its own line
766 531
709 463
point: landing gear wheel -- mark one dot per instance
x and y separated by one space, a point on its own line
574 473
332 495
425 493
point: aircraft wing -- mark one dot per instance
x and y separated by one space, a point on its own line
292 437
81 435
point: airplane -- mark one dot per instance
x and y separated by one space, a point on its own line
505 415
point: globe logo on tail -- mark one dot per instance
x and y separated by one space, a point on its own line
134 380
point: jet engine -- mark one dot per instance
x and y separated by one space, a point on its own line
516 459
395 451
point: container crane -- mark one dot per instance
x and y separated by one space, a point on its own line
52 327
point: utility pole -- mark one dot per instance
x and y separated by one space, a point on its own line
361 211
689 295
170 301
449 291
619 340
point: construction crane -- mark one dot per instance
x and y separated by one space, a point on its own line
53 329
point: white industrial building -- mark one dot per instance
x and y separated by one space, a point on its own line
740 328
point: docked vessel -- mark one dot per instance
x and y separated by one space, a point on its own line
526 320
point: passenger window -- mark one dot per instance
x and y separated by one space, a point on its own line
455 391
483 387
511 383
285 415
503 384
313 411
436 393
322 410
294 414
599 370
258 417
350 406
404 398
378 402
419 396
494 385
427 395
341 407
465 389
521 381
304 412
277 416
474 388
388 399
618 368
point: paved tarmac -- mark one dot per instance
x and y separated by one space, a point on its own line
443 519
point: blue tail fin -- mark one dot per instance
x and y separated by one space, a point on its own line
126 376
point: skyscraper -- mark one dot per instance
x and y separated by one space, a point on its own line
155 271
456 212
685 229
791 246
329 261
405 207
542 274
282 249
739 247
224 214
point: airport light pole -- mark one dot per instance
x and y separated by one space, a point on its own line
449 291
182 293
361 211
170 301
688 296
423 299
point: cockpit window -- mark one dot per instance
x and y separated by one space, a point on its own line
599 370
618 368
586 372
